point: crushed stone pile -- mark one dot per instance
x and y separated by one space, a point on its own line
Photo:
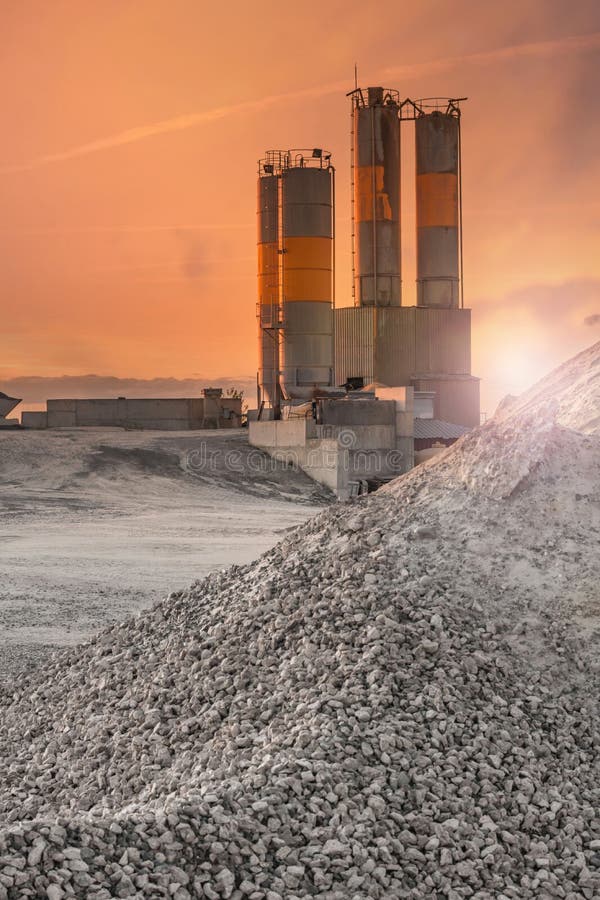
575 389
400 700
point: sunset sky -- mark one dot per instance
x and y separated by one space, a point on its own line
130 134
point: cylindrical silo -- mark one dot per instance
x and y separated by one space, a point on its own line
437 166
376 176
306 197
268 287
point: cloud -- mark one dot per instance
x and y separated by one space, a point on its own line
551 305
36 389
194 257
166 126
123 228
527 332
540 49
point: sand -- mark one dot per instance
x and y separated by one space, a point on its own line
96 524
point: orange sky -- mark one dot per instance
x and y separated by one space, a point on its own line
127 170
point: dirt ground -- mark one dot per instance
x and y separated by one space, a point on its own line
96 524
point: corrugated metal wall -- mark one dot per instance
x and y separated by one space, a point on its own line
354 340
395 348
392 346
442 341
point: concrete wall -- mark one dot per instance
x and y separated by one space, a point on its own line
362 440
402 395
281 433
363 437
295 442
357 412
37 419
163 414
321 460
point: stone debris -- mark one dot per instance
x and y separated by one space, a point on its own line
400 700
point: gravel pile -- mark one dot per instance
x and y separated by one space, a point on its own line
397 701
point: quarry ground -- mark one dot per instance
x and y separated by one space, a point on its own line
99 523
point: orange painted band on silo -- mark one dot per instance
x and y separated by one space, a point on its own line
268 258
268 273
308 252
307 265
367 207
307 285
437 200
268 289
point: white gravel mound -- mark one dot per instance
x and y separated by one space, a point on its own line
397 701
575 389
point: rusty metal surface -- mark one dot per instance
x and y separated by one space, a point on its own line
376 178
437 253
438 293
436 143
437 199
437 195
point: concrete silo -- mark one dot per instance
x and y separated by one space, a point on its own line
376 197
295 277
437 142
268 286
307 188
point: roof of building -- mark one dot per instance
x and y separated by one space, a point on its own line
429 429
7 404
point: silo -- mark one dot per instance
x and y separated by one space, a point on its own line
306 198
376 177
268 286
437 137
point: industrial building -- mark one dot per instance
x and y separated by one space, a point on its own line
318 361
426 346
212 410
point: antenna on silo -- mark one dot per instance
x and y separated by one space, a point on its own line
355 77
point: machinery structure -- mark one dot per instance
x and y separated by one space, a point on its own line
383 379
428 345
295 277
